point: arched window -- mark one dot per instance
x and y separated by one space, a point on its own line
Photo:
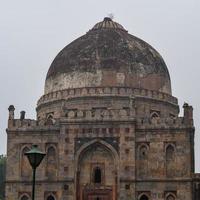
155 116
97 175
50 120
144 197
170 161
51 168
50 197
25 166
24 197
170 197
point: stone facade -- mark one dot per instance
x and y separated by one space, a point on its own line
109 134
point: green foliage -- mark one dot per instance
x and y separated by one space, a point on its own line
2 176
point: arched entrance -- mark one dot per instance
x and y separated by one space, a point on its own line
170 197
50 197
144 197
24 197
96 172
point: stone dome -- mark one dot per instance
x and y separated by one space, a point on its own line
108 56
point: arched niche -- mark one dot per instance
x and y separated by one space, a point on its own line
143 152
170 197
50 197
24 197
142 160
97 166
154 117
26 170
97 160
170 160
51 162
49 120
170 153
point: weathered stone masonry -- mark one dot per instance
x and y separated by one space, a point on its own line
109 125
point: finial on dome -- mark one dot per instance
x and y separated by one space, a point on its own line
108 23
107 19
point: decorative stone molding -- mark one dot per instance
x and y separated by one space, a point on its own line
105 91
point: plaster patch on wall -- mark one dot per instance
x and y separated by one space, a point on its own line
120 78
166 87
73 80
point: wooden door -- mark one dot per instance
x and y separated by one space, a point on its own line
98 194
98 197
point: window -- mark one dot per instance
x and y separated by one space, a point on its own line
127 186
97 175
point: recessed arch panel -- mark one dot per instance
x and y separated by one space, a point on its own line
51 162
25 165
24 197
51 197
96 165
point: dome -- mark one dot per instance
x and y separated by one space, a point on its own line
108 56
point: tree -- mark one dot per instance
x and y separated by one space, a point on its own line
2 176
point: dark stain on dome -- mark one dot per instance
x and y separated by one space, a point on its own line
109 46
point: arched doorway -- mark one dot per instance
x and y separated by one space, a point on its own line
24 197
50 197
96 173
144 197
170 197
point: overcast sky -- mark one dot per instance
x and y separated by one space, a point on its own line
33 32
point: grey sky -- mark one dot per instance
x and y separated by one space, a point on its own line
33 32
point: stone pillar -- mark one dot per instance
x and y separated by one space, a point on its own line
198 192
11 116
188 114
22 115
11 110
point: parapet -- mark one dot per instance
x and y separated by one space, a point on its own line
163 123
105 91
